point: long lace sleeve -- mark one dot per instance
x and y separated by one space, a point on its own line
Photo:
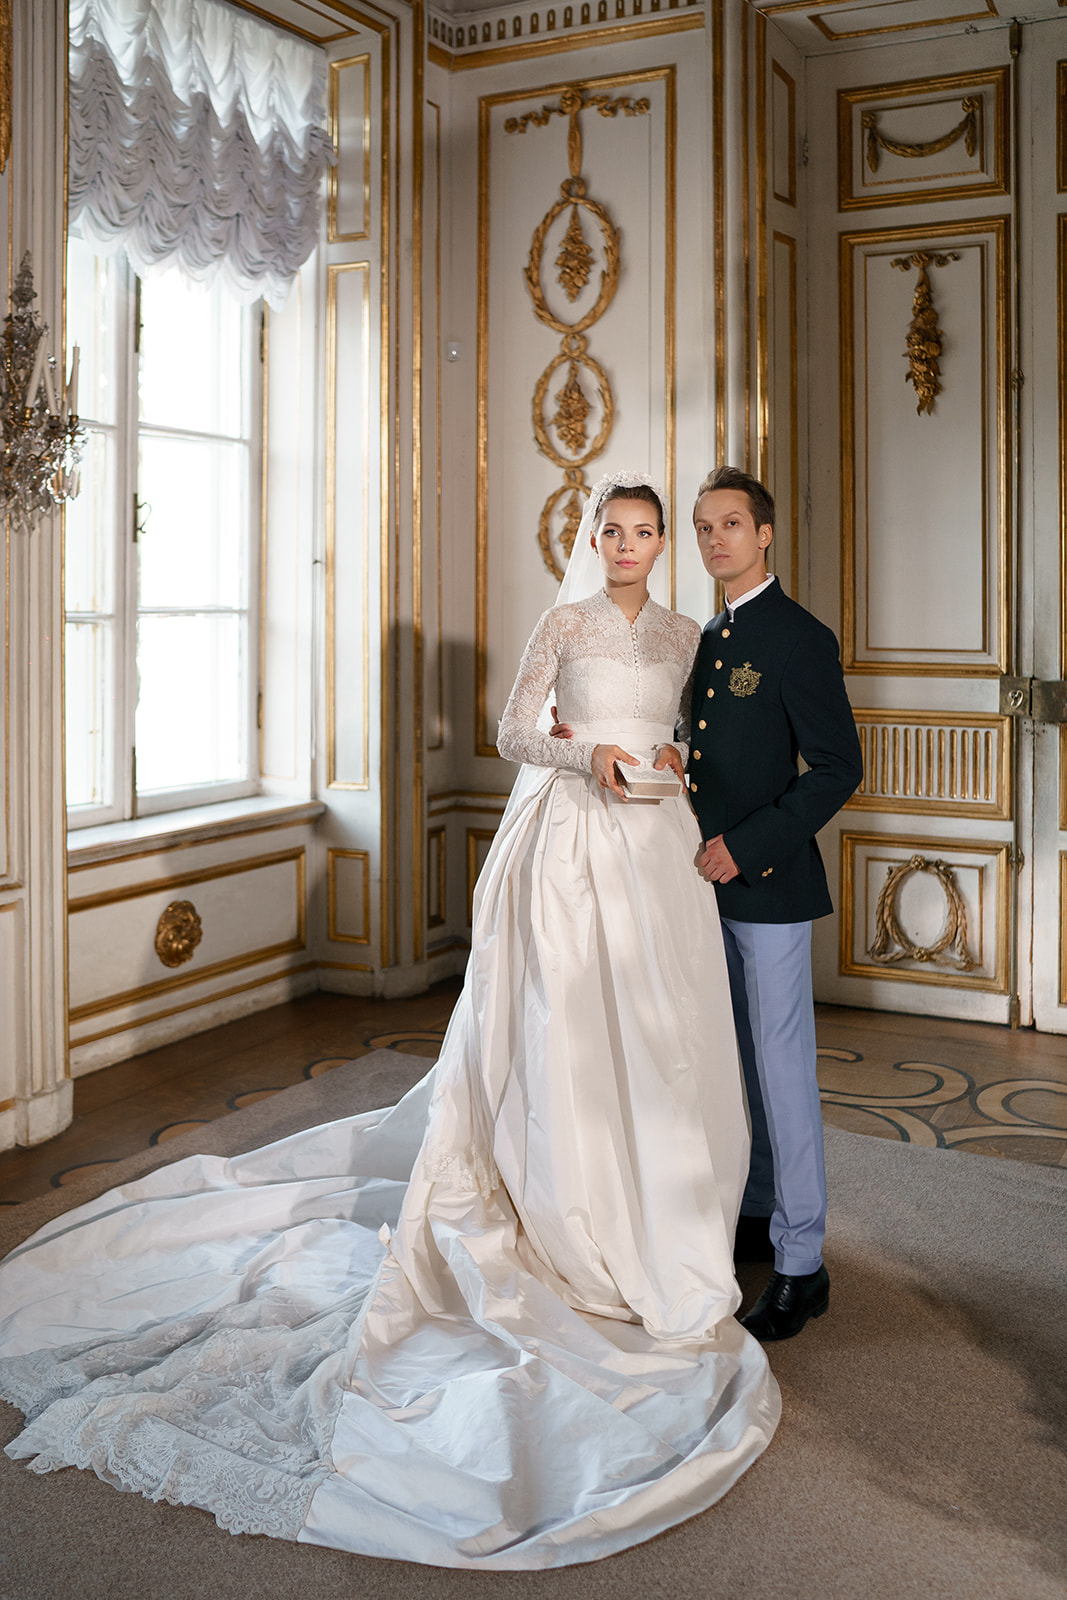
519 737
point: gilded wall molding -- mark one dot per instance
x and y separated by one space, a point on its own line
963 953
333 232
1061 386
1061 126
437 877
478 842
5 84
333 923
574 269
789 88
982 132
837 35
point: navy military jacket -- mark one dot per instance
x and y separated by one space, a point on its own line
768 687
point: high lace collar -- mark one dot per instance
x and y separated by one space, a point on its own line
603 598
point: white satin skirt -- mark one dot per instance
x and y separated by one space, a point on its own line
490 1327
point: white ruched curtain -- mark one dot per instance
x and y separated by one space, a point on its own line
197 138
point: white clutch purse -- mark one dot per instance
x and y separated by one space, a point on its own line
643 782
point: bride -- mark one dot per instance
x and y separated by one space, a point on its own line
491 1326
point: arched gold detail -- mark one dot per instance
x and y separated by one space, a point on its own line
924 341
967 130
574 264
892 944
178 932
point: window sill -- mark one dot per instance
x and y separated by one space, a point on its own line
113 841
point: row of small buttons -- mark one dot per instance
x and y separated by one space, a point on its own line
702 724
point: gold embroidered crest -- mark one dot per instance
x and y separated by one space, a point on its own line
744 680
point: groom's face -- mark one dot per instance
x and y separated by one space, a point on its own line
732 548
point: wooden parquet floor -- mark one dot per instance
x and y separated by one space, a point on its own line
955 1085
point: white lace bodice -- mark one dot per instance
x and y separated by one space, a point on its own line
598 666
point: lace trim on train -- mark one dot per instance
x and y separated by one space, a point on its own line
464 1174
214 1411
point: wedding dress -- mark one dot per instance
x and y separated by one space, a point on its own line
491 1326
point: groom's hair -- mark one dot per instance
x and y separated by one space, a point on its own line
759 496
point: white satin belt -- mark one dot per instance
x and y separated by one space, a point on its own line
622 731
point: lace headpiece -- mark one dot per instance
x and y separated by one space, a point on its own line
584 574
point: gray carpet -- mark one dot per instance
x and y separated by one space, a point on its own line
921 1451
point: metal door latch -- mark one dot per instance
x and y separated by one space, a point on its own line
1040 699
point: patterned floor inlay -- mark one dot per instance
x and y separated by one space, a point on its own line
920 1080
975 1089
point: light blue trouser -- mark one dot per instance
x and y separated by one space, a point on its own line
770 987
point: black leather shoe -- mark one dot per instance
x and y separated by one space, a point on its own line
787 1303
753 1240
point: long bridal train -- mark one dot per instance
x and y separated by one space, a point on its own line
509 1342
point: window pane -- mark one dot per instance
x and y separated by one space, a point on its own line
89 672
193 519
92 324
192 356
191 702
90 529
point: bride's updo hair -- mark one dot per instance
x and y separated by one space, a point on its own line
635 491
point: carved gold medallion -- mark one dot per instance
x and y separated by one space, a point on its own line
892 944
744 680
178 932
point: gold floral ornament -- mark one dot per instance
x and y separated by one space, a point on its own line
967 130
575 259
925 339
891 943
178 932
571 449
572 412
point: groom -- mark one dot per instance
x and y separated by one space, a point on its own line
767 686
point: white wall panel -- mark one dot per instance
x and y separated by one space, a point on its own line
250 911
915 532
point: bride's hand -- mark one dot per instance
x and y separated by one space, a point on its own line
670 757
604 759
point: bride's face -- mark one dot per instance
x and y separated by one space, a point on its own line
627 540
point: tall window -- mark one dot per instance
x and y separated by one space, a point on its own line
160 664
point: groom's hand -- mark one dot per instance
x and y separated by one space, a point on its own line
560 730
715 863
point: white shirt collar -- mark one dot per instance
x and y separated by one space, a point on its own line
750 594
